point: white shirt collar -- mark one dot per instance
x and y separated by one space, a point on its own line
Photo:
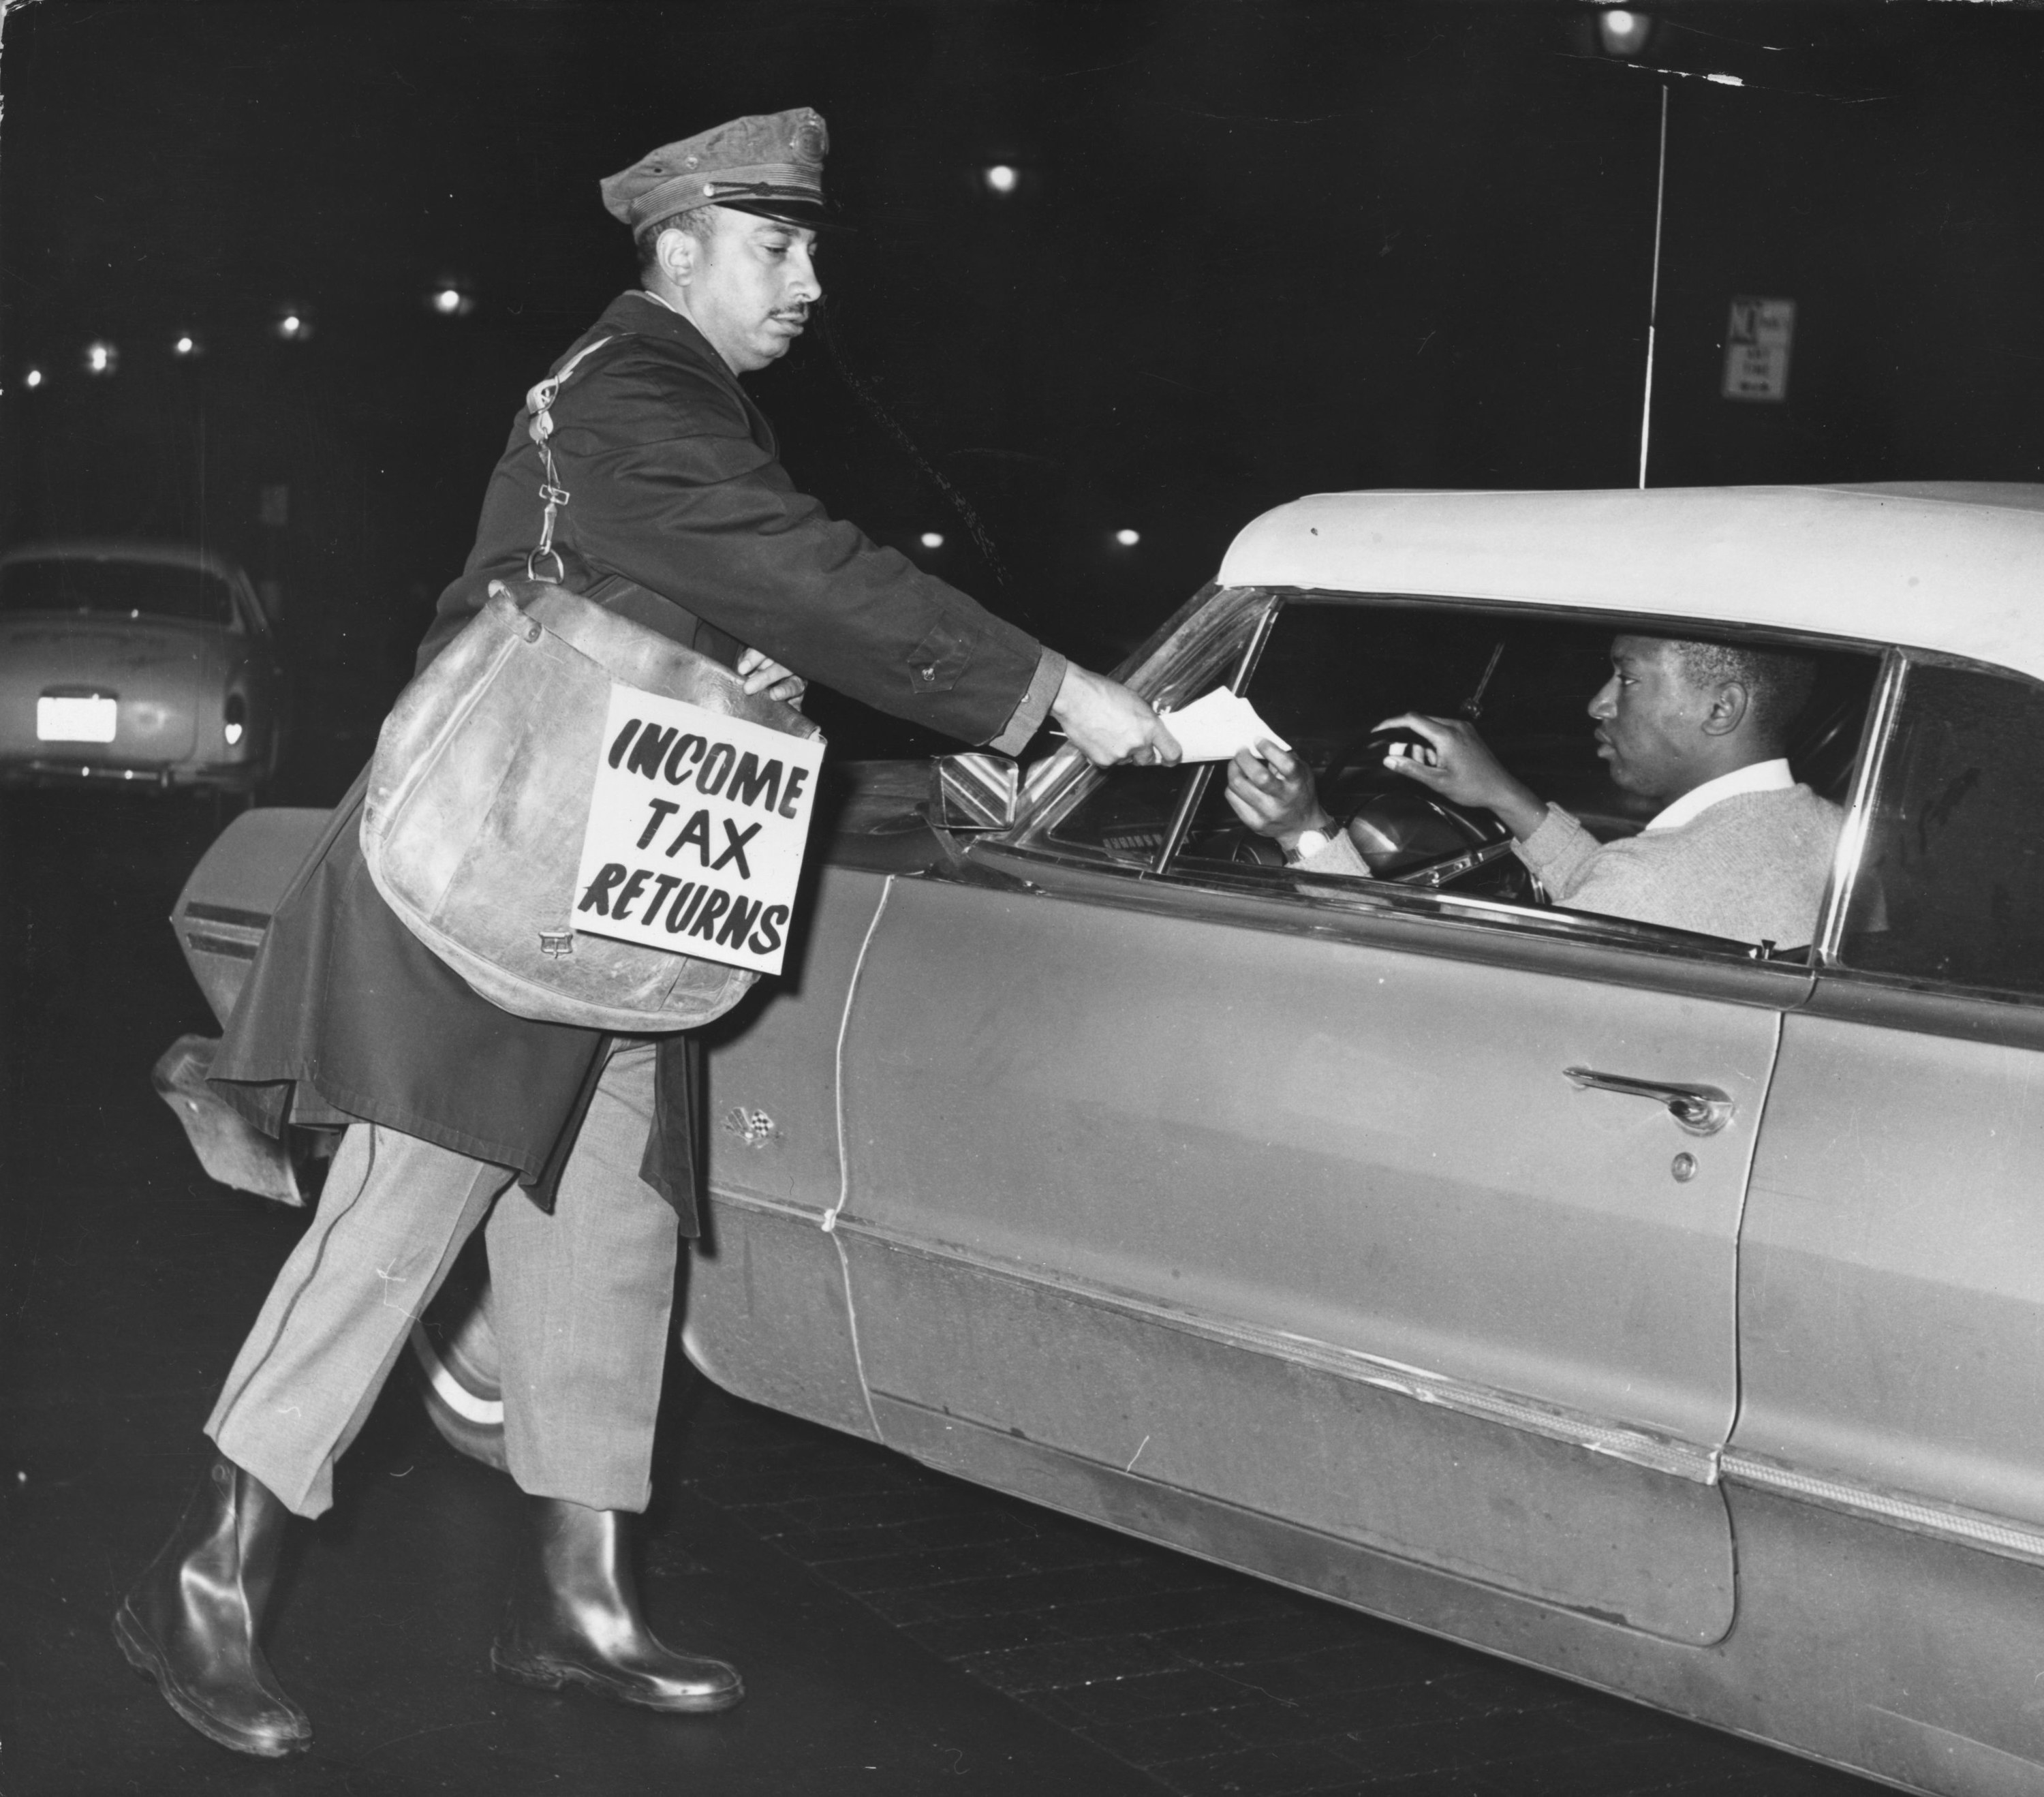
1756 776
658 299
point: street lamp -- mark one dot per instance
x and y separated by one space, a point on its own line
293 325
187 346
1001 178
100 357
1623 32
33 378
450 302
931 538
1129 538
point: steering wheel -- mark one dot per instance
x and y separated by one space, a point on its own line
1388 820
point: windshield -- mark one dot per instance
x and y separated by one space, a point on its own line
126 588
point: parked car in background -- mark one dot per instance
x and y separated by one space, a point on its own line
1663 1310
149 663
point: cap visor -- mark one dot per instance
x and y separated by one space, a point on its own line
811 214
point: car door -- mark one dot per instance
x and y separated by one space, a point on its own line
1892 1282
1323 1201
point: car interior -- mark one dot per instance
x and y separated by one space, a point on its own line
1332 670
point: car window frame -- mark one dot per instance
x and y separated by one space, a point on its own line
1921 1001
1194 644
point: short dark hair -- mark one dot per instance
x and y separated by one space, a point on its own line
696 222
1777 681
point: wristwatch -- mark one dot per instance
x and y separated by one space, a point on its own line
1310 844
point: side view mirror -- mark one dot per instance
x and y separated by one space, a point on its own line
974 792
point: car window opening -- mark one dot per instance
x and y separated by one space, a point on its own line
1333 670
1950 887
110 586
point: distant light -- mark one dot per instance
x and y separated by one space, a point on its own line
101 358
1624 32
1001 178
451 302
185 346
232 731
293 327
33 378
931 538
1129 538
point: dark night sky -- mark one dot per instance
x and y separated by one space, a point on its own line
1259 249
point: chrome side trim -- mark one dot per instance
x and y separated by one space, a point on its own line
791 1209
1922 1515
1656 1453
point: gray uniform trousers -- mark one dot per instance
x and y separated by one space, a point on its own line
582 1301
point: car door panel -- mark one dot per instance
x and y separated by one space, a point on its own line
1323 1441
1346 1167
767 1314
1891 1286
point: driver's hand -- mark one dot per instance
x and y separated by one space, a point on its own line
1453 760
761 674
1271 789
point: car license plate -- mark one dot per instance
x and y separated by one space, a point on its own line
76 720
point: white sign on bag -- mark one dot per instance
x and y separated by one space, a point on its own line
696 831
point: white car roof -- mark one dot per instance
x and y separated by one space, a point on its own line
123 549
1952 567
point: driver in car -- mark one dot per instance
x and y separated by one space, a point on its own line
1739 848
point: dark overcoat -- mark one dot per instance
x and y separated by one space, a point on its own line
676 487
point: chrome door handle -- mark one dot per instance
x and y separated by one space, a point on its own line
1703 1111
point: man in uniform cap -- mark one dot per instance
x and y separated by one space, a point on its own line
574 1151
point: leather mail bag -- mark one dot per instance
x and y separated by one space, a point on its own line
479 794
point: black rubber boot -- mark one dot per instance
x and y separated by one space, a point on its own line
191 1622
574 1618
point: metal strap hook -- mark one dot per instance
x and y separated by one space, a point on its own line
540 427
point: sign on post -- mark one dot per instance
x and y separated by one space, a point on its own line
696 831
1757 349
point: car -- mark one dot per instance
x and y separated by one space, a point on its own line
1663 1311
147 663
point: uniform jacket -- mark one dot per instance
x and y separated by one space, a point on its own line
676 486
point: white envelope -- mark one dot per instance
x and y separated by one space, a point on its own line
1217 724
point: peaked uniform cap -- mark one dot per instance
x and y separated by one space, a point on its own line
769 164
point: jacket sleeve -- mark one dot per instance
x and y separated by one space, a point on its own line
1561 853
670 489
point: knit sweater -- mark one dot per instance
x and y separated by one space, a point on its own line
1753 867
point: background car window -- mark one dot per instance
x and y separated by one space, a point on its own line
84 583
1951 885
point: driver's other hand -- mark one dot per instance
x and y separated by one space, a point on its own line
1109 725
1271 789
762 673
1450 758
